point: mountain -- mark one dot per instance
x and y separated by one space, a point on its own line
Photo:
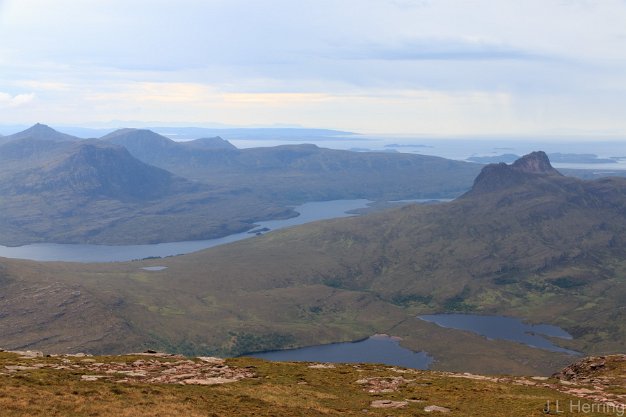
92 191
501 176
209 144
148 145
238 186
23 153
525 241
177 157
41 132
92 169
143 144
292 174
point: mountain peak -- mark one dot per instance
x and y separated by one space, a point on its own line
534 163
132 135
495 177
41 131
209 144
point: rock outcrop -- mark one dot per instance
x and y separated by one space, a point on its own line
494 177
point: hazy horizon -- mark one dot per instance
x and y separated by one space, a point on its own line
110 126
445 68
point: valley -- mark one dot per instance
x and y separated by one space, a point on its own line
520 243
137 187
306 213
324 208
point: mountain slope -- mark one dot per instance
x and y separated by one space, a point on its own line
90 169
42 132
90 191
296 172
299 173
209 144
161 151
143 144
238 185
544 247
86 181
149 384
498 177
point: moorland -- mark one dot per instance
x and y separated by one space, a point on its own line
525 241
134 186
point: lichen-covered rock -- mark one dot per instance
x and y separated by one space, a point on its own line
388 404
431 408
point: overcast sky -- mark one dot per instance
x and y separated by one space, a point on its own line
438 67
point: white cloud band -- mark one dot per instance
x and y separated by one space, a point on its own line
7 100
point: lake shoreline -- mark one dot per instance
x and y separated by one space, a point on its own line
90 253
95 253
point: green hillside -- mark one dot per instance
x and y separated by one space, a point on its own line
87 191
134 186
525 242
293 174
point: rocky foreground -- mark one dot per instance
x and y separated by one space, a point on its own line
151 384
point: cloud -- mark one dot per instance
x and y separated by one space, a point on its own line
316 62
156 93
45 85
439 49
276 99
7 100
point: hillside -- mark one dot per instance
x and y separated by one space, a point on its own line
293 174
157 149
525 242
149 384
136 186
209 144
89 169
40 131
58 190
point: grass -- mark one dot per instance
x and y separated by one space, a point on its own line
521 252
276 389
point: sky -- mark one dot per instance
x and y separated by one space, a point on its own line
425 67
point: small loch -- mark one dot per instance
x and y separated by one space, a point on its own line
504 328
375 349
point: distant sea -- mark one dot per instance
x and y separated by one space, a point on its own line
463 148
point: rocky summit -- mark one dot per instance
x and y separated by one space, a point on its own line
549 250
495 177
534 163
